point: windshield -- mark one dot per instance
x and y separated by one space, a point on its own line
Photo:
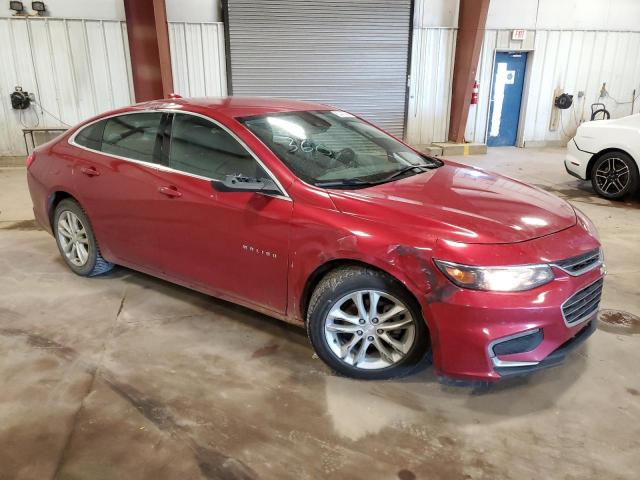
336 149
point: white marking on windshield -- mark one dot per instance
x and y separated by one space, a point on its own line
342 114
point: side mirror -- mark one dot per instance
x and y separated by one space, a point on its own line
240 183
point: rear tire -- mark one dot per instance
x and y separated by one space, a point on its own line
614 175
76 241
364 324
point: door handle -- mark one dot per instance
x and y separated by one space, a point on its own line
169 191
90 171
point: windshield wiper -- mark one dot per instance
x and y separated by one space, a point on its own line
402 171
359 182
345 182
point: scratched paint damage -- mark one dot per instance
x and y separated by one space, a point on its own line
414 263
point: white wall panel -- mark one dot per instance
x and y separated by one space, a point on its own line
75 68
198 59
576 45
194 10
606 15
572 60
78 68
432 54
435 13
92 9
177 10
512 14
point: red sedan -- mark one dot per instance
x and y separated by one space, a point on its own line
312 215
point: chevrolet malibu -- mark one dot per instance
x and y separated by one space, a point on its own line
389 258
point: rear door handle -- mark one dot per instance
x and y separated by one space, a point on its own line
90 171
170 191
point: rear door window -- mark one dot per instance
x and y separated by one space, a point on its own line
132 136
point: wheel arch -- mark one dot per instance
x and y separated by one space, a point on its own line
322 270
54 199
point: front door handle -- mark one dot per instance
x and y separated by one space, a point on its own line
90 171
169 191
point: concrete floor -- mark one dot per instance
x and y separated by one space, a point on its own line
127 376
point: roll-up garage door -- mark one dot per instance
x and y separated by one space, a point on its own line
352 54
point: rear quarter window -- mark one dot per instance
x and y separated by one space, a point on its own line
91 136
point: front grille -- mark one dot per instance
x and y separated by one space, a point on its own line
581 263
582 304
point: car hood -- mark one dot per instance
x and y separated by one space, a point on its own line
461 203
631 121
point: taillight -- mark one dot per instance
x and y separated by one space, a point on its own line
30 159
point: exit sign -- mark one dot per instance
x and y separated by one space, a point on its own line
518 35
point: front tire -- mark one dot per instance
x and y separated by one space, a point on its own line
364 324
614 175
76 241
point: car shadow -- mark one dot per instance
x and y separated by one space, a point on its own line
246 316
518 396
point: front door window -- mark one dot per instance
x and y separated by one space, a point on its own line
202 148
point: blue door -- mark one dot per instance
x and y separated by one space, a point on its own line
506 97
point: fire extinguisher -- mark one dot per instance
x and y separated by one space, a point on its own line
474 93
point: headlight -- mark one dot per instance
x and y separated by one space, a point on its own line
497 279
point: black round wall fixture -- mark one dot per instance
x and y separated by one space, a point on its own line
20 100
563 101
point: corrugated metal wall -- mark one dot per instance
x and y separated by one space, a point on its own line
198 59
432 54
574 60
78 68
75 68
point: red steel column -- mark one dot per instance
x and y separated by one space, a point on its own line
149 48
472 19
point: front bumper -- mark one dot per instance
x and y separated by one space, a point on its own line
554 358
473 323
576 161
480 336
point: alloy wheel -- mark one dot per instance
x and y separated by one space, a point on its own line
613 176
369 329
73 238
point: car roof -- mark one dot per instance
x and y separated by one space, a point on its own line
235 106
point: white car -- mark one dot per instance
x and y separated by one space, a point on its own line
607 153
